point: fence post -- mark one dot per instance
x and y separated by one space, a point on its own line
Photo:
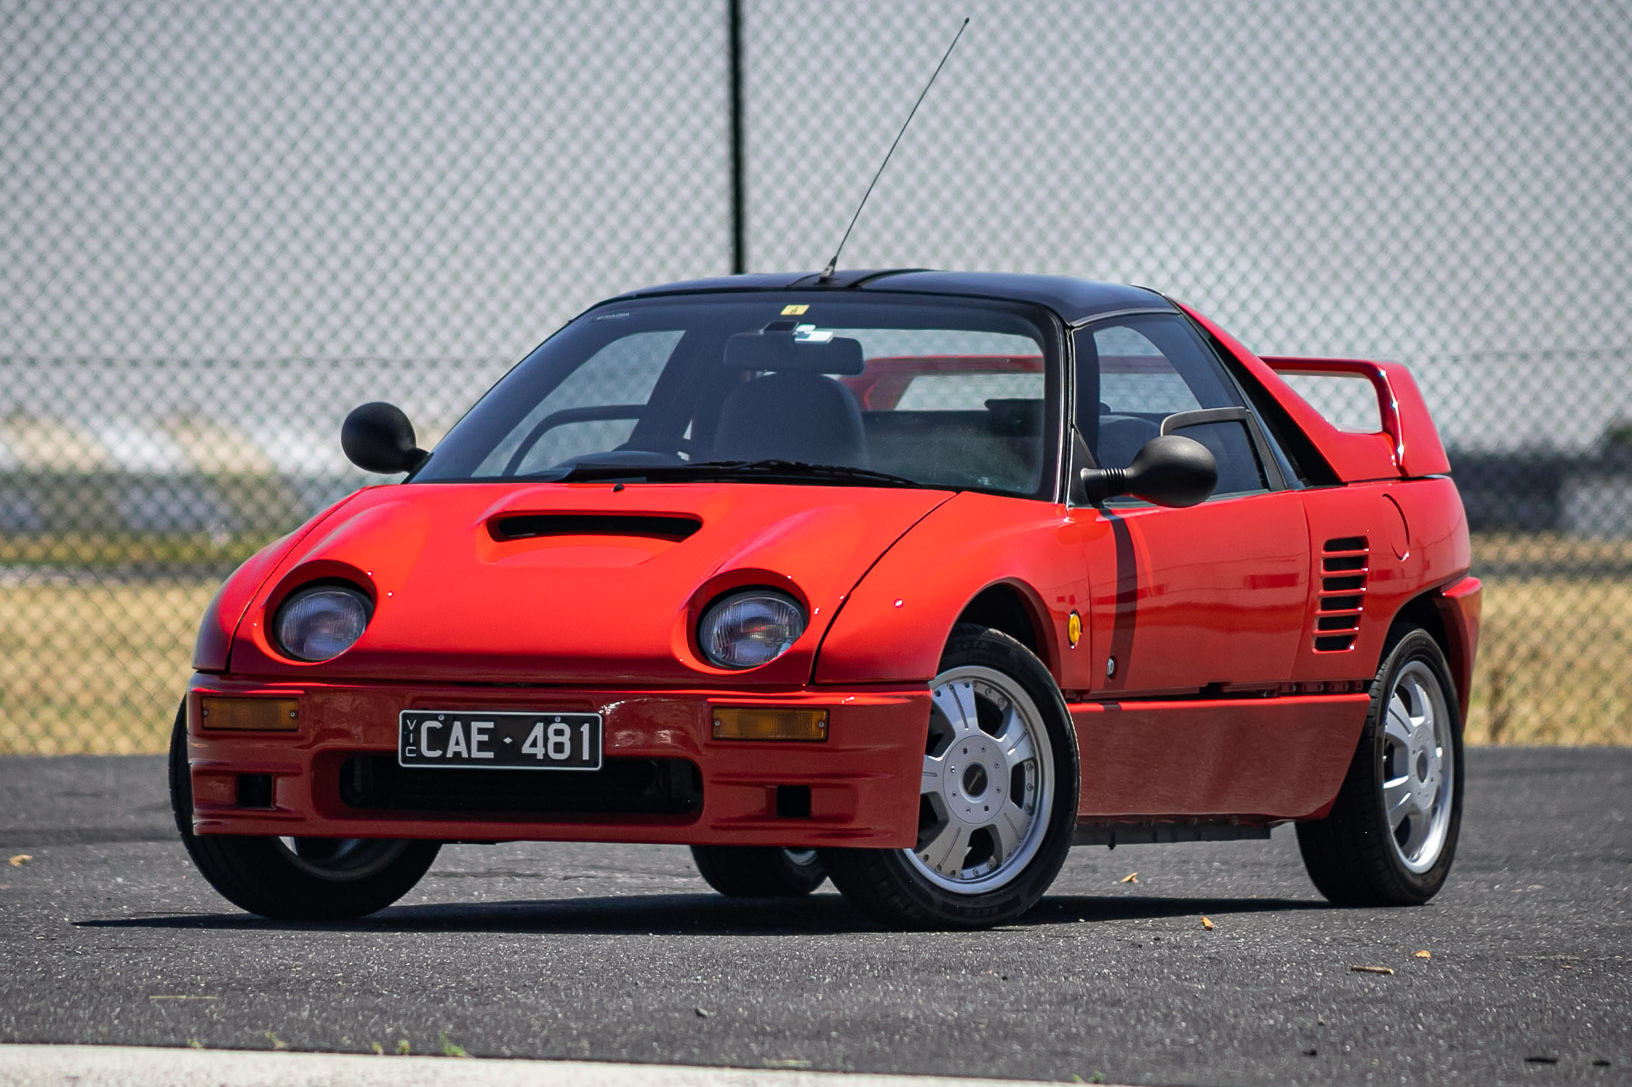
739 180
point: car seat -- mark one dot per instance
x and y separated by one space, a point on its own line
791 415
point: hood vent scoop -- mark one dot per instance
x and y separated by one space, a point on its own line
532 526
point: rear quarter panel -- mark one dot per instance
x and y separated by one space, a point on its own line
1417 539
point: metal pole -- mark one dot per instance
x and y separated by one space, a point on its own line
739 168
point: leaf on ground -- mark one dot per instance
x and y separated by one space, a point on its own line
1131 877
277 1043
1206 922
20 859
449 1049
1422 955
403 1048
1389 970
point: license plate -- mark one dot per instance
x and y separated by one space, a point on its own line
508 741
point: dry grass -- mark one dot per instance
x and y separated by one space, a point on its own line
89 667
95 669
1555 650
1497 550
1555 659
115 550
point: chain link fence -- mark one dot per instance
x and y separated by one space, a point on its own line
221 226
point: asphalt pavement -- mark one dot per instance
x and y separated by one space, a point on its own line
621 953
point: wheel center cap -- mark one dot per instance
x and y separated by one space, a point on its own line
974 781
1422 766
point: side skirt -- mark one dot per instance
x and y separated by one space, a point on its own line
1112 835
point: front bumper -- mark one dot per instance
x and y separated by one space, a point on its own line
665 778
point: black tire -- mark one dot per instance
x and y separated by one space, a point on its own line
741 871
962 874
298 879
1362 854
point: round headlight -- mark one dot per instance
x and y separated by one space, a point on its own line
750 628
321 622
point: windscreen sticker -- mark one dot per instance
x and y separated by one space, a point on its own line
795 310
812 334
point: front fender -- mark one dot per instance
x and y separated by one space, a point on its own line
895 624
212 646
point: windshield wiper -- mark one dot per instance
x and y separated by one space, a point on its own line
798 469
770 470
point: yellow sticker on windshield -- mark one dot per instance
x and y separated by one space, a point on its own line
794 311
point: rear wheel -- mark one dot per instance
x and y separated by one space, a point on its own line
759 872
998 799
1392 832
306 879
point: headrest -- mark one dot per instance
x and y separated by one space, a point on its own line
780 351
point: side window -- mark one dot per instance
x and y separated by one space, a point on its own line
1134 373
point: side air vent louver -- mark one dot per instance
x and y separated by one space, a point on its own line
1344 564
526 526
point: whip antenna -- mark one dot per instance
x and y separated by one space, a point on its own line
832 265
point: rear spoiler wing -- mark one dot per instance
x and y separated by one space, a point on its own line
1408 445
1414 447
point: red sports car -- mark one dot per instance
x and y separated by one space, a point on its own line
908 579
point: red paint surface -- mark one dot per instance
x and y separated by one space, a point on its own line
1184 598
1283 758
453 601
899 617
863 779
1459 608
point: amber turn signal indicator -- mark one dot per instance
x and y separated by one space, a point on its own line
249 714
756 723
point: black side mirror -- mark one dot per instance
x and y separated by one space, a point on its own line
1170 471
378 437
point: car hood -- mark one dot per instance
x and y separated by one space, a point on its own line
580 583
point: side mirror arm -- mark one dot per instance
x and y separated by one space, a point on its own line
1100 484
1170 470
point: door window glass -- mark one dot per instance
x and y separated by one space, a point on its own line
1134 372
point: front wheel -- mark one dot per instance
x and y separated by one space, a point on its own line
998 800
1392 831
745 871
300 879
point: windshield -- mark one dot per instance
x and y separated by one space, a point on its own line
890 390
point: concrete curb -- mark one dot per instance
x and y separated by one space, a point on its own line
136 1066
